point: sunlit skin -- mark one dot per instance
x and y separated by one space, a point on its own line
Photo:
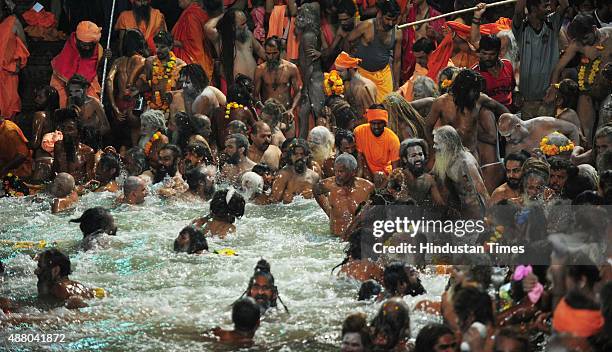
261 291
509 189
351 342
291 182
377 127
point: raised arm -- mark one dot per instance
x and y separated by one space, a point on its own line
475 29
568 129
210 29
397 60
493 105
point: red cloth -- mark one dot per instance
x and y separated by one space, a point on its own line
40 19
69 62
438 59
189 30
499 88
463 30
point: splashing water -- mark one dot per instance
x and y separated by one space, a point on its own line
161 300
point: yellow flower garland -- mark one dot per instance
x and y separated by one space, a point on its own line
446 83
149 145
230 106
591 77
162 72
332 83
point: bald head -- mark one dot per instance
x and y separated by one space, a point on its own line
507 121
63 185
261 135
512 128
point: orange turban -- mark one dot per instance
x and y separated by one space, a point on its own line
377 114
88 32
578 322
344 60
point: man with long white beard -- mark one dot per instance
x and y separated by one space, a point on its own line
321 144
457 168
295 178
513 163
416 183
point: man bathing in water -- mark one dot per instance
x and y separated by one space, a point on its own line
64 193
225 207
237 161
71 156
295 178
245 316
340 196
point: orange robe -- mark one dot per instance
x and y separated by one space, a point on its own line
13 57
379 152
13 143
157 22
278 25
189 30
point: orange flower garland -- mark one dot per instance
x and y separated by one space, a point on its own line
162 72
553 149
332 83
149 145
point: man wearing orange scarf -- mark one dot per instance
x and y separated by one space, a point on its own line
188 33
81 55
13 57
15 157
142 16
379 145
575 321
360 92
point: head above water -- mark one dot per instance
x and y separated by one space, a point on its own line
261 286
414 154
245 315
96 220
134 190
53 265
227 205
62 185
391 325
190 240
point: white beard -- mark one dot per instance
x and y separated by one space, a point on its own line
321 153
440 167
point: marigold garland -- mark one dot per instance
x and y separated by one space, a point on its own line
162 72
446 83
332 83
552 149
230 106
149 145
585 84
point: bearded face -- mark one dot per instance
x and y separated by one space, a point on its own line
168 165
76 95
443 157
415 160
273 59
307 17
85 49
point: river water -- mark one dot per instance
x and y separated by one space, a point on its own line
160 300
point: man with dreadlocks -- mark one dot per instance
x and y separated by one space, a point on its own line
94 124
226 205
404 119
143 17
461 108
235 45
262 289
237 108
295 178
70 155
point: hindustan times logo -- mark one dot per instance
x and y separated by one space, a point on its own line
411 227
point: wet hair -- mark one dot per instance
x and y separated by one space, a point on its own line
94 220
347 160
239 94
514 334
357 323
62 185
53 257
388 8
176 151
424 44
393 276
164 38
131 183
413 142
245 314
557 163
345 6
62 116
428 337
51 95
78 80
342 111
275 42
262 268
342 134
134 43
490 43
197 241
226 28
197 75
577 183
110 160
466 82
154 118
195 177
241 142
568 91
199 149
274 109
520 156
368 289
581 25
139 157
220 207
472 302
261 169
395 323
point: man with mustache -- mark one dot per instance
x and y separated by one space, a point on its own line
277 78
70 155
81 55
295 178
417 183
169 157
235 44
341 196
346 11
237 161
93 121
345 143
360 92
498 73
262 151
375 40
457 168
261 287
513 163
143 17
379 144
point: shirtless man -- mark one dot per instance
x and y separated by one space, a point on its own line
64 193
417 184
226 114
277 78
237 162
92 118
295 178
122 104
272 113
360 92
234 43
566 103
307 26
262 151
457 168
209 97
513 163
591 44
340 196
108 169
225 206
321 144
46 101
53 281
345 143
526 135
71 155
245 316
134 191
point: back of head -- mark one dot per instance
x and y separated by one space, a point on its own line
424 44
424 87
252 183
227 205
53 257
131 184
134 43
581 25
246 314
369 288
62 186
428 337
393 318
154 120
393 276
94 220
473 303
164 38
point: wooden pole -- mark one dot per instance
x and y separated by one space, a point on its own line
504 2
110 31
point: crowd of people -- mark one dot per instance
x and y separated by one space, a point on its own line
264 101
